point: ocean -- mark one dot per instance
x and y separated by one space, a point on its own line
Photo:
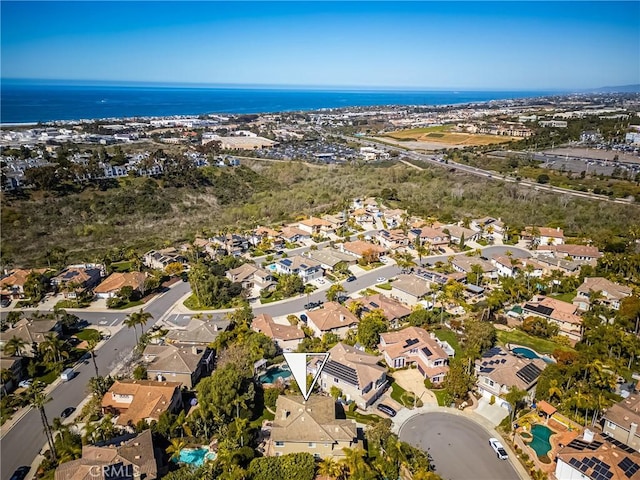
25 102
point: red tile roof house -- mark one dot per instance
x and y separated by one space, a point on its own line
287 337
13 283
316 226
547 236
392 239
111 285
415 346
430 236
135 400
359 247
333 318
562 314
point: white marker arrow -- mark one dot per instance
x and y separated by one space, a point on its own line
298 365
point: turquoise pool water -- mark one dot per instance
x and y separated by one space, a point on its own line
195 456
540 442
272 375
272 267
528 353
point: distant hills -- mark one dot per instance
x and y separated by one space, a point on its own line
620 89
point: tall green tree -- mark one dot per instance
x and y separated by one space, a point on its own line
370 327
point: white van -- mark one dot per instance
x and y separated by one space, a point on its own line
67 375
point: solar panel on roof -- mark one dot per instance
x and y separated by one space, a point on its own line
341 371
374 305
503 361
528 373
426 351
584 467
486 370
620 445
628 467
574 462
491 352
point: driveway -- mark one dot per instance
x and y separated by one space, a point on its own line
494 413
412 381
459 448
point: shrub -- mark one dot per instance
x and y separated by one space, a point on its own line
492 400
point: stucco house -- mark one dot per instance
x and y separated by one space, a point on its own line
287 337
415 346
356 373
611 293
333 318
310 426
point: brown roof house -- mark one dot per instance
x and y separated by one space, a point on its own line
621 421
498 370
429 236
316 226
178 363
111 285
409 289
310 426
135 458
287 337
393 310
415 346
562 314
33 332
135 400
78 279
198 332
611 293
333 318
356 373
597 457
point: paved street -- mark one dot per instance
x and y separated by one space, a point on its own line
459 447
23 442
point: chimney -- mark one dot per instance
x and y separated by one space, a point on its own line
159 377
194 350
285 414
633 428
342 317
557 229
587 436
215 327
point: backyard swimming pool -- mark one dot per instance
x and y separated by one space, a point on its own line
272 375
195 456
540 442
528 353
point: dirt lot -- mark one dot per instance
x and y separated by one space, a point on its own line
426 139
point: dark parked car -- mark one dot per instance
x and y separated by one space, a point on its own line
386 409
304 318
20 473
5 302
184 277
351 278
67 412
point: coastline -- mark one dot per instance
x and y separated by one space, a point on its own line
36 103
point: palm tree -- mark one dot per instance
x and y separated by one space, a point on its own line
6 376
334 292
131 322
355 463
355 307
15 347
478 272
330 468
38 399
177 445
554 390
53 349
91 346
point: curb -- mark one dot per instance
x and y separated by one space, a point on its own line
477 419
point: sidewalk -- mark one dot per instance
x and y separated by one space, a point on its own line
9 424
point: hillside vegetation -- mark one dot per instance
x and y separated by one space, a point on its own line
143 213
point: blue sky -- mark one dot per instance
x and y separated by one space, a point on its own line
452 45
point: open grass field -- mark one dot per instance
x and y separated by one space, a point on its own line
443 134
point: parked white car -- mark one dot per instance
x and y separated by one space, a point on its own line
498 448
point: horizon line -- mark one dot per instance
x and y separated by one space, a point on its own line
279 86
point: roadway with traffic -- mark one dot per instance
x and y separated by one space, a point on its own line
413 155
24 440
